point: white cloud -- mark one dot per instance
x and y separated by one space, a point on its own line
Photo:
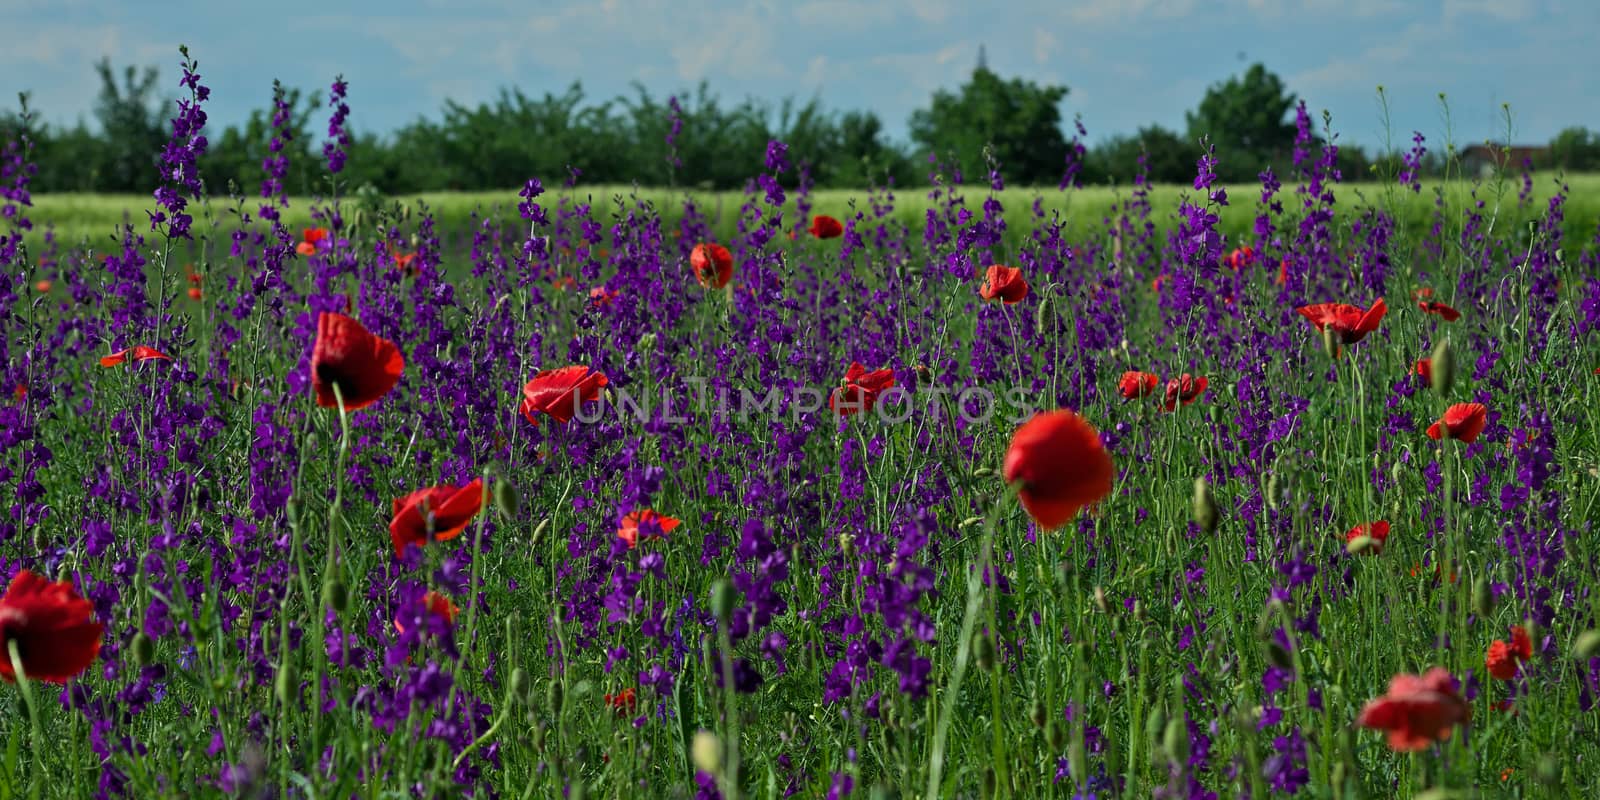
1479 9
1093 11
1044 43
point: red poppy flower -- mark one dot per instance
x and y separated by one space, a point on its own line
1058 458
363 365
1155 285
1503 658
1352 323
1418 710
20 393
1462 421
1377 531
1185 390
712 264
139 354
314 239
1421 293
826 227
861 390
194 278
1006 283
404 262
600 296
1424 370
560 392
631 526
194 293
1137 384
1431 307
451 508
1283 272
623 702
437 605
53 627
1241 257
564 283
42 286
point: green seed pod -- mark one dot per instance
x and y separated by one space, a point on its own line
722 601
1482 598
1442 368
1205 506
336 595
1176 741
986 652
144 649
553 697
1038 712
1587 646
506 498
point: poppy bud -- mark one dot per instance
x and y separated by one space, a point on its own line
1205 506
722 602
1330 342
356 218
1535 633
336 595
1100 600
538 532
1272 491
1138 610
706 752
971 521
1362 545
983 472
1055 735
144 649
1339 773
924 374
287 687
647 343
553 696
416 241
1279 655
847 543
1176 741
1548 771
519 684
1587 646
986 652
1482 598
1038 712
1041 314
505 498
1442 368
988 782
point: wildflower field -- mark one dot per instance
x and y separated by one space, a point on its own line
635 496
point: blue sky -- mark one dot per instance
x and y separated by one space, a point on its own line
1126 62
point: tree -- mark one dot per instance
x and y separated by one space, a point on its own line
1576 149
1168 157
1246 120
1018 119
132 129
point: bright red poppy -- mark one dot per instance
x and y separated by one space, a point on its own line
1137 384
600 296
405 262
1283 272
363 365
623 702
1352 323
1241 257
1061 465
1184 390
860 390
312 240
826 227
633 523
139 354
42 286
1418 710
52 626
1431 307
437 605
194 293
560 392
1377 531
1424 370
1462 421
712 264
1503 658
1005 283
450 508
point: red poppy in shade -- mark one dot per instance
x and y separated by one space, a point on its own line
826 227
861 390
437 605
712 264
20 393
1424 370
1137 384
1352 323
139 354
194 293
1283 272
600 296
52 626
1062 466
1421 293
1184 390
1377 531
1005 283
42 286
1418 710
1431 307
450 507
645 523
1462 421
311 241
623 702
363 365
560 392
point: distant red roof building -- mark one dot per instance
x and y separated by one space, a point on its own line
1485 159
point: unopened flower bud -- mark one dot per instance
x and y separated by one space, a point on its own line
286 686
706 752
1330 342
1038 712
336 595
986 652
1362 545
519 684
553 697
1205 506
144 649
1055 735
722 602
1176 741
1587 646
1482 597
506 498
1442 368
1279 655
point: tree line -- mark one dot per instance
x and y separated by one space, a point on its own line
697 140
